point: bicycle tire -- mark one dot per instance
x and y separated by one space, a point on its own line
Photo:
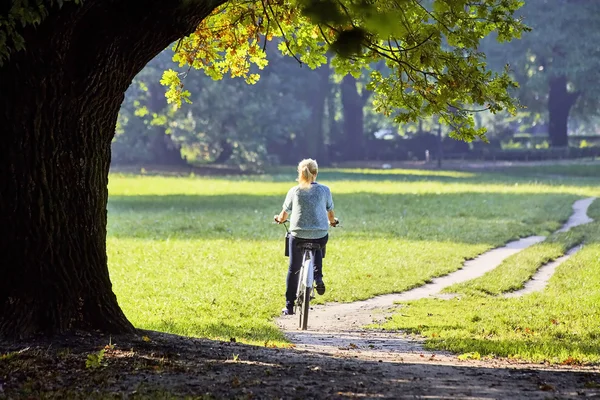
304 309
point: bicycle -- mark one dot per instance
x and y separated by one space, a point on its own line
306 281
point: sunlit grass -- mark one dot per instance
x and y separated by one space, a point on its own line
559 324
199 256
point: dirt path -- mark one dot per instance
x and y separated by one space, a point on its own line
540 279
579 216
339 317
336 329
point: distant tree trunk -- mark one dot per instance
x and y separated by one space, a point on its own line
560 102
353 104
314 145
164 150
58 110
226 151
440 147
324 83
333 127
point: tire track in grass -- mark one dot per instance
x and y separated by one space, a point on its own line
540 279
336 328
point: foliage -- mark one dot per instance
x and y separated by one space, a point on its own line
430 48
132 137
224 114
555 47
95 360
18 13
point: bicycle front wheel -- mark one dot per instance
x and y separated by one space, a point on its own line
304 308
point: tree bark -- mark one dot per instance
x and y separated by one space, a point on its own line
58 111
352 104
560 102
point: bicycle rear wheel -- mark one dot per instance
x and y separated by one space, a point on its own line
304 307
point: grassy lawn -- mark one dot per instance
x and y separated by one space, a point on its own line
559 325
200 257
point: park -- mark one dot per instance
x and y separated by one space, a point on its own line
139 255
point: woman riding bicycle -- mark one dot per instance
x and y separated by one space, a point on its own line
311 207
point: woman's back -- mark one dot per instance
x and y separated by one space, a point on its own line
308 207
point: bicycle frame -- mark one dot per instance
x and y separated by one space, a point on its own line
307 271
306 278
305 287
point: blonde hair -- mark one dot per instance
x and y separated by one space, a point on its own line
307 172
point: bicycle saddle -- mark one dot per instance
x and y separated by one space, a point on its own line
309 246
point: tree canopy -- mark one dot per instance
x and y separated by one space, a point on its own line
555 64
431 49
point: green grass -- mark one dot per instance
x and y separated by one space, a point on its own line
200 257
558 325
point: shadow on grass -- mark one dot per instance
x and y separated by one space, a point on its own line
559 171
288 174
168 366
559 175
456 217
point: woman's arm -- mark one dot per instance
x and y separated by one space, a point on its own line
281 217
331 217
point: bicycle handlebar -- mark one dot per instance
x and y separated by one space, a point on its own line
333 225
277 221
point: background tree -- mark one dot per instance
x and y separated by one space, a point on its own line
555 64
58 126
142 134
227 121
353 104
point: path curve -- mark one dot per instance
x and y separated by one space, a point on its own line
541 278
336 328
336 316
579 216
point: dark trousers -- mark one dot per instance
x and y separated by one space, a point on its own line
296 263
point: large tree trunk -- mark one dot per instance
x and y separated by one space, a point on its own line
560 102
58 109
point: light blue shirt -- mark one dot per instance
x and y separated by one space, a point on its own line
308 210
